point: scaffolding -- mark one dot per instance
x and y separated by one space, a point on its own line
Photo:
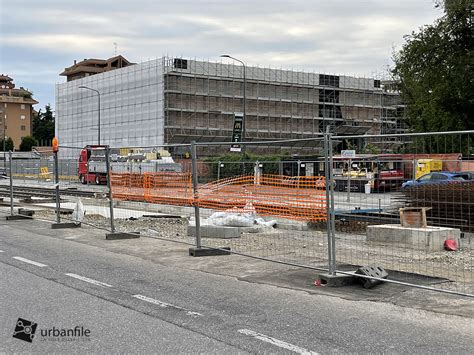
201 98
173 100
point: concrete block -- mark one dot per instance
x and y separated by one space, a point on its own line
65 225
223 232
428 238
292 226
26 212
16 217
198 252
337 280
119 235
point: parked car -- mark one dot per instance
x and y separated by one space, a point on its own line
438 178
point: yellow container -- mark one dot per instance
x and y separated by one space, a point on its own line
426 166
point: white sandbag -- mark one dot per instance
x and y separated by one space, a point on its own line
260 221
232 219
78 212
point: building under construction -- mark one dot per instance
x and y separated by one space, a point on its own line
177 100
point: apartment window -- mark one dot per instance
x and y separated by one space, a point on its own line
22 106
22 117
376 83
23 128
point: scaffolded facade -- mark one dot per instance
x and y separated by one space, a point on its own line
176 100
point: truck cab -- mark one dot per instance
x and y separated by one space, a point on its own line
90 169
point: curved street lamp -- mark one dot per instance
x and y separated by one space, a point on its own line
98 109
245 97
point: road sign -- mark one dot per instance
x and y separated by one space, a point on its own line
348 154
237 132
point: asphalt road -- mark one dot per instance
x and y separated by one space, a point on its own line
134 305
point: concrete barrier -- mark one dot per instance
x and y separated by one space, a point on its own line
428 238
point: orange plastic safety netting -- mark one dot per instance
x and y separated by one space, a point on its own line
127 186
271 195
169 188
301 198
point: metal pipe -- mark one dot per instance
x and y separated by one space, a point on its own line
328 186
111 199
56 180
195 194
349 172
332 268
10 155
445 133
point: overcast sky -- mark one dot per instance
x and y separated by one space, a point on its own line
39 38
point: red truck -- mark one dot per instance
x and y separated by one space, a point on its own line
91 166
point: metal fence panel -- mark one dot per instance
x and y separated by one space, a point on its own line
407 211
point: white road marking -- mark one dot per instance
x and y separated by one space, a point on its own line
91 281
73 237
29 261
1 251
276 342
165 305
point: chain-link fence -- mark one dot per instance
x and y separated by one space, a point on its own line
408 211
333 203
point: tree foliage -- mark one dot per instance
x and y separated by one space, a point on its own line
43 125
232 164
27 143
8 144
435 71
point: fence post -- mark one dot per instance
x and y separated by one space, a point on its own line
56 182
58 223
111 199
113 235
332 268
331 278
20 215
195 197
349 173
328 205
10 155
198 250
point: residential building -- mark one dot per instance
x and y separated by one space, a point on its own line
93 66
16 111
176 100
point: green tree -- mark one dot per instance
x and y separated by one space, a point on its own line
43 125
27 143
435 70
8 144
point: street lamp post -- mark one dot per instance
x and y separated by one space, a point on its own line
245 98
98 109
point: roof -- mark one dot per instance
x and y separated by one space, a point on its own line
5 78
95 65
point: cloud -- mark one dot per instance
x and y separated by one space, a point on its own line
338 36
